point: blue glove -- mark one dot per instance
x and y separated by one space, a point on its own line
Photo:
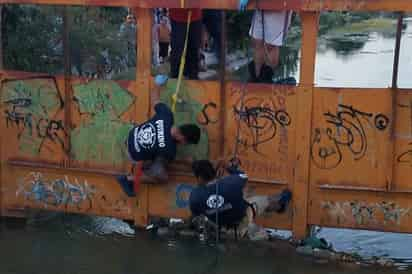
161 79
243 4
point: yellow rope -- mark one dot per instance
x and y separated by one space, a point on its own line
182 62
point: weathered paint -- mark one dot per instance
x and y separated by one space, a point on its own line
187 111
30 108
368 192
56 192
102 134
363 213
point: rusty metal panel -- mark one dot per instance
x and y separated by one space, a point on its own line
66 191
402 160
32 110
103 113
267 130
362 210
350 138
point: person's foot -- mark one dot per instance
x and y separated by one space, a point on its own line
266 74
285 197
126 185
252 73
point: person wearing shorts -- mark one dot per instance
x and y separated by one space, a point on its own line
222 200
268 31
164 30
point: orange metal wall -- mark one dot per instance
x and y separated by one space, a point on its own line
345 153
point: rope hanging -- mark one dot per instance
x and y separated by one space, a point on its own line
182 61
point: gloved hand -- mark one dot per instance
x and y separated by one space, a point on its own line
243 4
161 79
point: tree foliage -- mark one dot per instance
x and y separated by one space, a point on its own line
33 39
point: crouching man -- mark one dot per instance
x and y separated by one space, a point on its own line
222 202
152 144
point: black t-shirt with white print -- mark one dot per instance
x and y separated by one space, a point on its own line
227 198
153 138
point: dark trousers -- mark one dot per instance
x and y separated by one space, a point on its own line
212 19
178 36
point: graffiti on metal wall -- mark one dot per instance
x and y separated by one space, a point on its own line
208 115
260 118
101 135
68 191
346 129
56 192
364 213
405 157
31 106
189 110
182 195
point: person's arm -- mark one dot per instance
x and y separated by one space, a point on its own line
160 81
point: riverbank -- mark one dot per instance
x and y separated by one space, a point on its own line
314 248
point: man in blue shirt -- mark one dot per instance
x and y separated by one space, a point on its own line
154 142
222 201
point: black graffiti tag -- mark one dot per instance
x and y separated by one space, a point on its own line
18 115
260 124
346 129
205 116
405 157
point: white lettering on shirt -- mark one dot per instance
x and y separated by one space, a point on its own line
160 133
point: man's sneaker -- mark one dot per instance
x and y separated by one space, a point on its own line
126 185
285 197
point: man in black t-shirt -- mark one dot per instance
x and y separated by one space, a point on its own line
222 201
154 142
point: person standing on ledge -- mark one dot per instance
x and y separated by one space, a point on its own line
268 31
152 144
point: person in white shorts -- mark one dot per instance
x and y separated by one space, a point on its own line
268 31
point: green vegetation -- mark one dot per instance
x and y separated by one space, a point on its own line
33 40
102 46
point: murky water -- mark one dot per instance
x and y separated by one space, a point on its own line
66 244
367 64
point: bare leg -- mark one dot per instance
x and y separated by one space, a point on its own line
258 55
272 53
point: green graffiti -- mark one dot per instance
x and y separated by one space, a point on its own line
30 106
101 138
187 110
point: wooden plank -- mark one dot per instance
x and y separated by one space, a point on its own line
142 107
143 62
303 124
68 92
297 5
